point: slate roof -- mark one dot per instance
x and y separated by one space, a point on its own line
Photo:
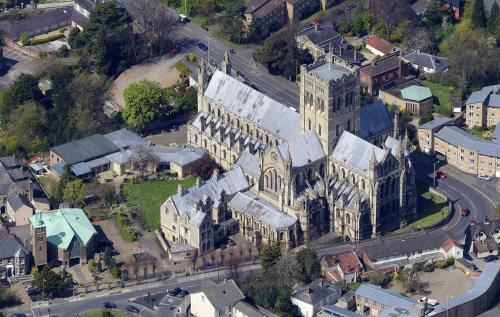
268 7
305 149
79 18
254 5
317 292
488 245
17 201
64 225
49 19
333 310
396 246
323 36
420 6
383 296
330 71
435 123
380 44
251 204
125 139
250 163
85 149
86 4
10 245
209 192
420 59
381 66
223 294
374 119
356 152
10 161
248 310
488 228
180 156
460 138
416 93
254 106
482 95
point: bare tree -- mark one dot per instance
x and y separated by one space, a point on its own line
213 255
287 270
144 160
234 264
154 264
417 38
249 247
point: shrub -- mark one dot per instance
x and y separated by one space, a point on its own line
191 57
46 39
428 267
24 39
450 261
182 69
126 232
91 265
114 271
62 30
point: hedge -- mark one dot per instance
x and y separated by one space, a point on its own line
45 39
182 69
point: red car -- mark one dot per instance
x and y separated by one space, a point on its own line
440 175
465 212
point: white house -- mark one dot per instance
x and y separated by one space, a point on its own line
215 300
312 297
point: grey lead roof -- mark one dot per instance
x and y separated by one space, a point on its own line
251 204
374 119
356 152
250 163
323 36
384 297
480 96
85 149
125 139
222 295
460 138
330 71
180 156
336 311
435 123
252 105
304 149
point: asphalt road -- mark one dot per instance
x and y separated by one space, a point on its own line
278 88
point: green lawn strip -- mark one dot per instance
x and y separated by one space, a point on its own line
99 313
441 92
431 209
151 194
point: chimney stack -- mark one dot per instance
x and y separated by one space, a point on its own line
30 190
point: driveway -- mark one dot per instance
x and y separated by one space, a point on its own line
15 63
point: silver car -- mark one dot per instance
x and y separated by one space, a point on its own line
484 177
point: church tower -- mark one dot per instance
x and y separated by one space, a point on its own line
329 99
38 237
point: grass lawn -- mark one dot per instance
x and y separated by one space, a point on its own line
430 209
442 94
98 313
151 194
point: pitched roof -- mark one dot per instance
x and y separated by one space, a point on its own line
383 296
488 228
348 261
17 201
254 5
181 156
374 119
315 293
64 225
416 93
435 123
86 4
356 152
323 36
85 149
305 149
380 44
251 204
381 65
250 163
421 59
460 138
252 105
488 245
10 245
125 139
482 95
248 310
223 294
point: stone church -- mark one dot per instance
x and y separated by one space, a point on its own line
307 173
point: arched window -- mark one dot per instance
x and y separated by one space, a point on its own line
337 130
338 103
353 179
247 128
352 97
267 139
346 100
238 123
215 149
362 184
319 129
275 181
309 175
278 186
343 173
224 154
348 219
297 180
333 169
266 181
309 121
195 138
322 170
209 107
218 113
338 213
205 144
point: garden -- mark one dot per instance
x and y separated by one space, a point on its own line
431 209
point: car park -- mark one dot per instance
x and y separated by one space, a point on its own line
109 305
490 258
175 291
133 309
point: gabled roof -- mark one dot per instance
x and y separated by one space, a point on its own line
420 59
323 35
374 119
250 163
10 245
125 139
64 225
356 152
383 296
382 65
86 4
17 201
85 149
481 96
305 149
488 228
416 93
252 105
223 294
380 44
348 261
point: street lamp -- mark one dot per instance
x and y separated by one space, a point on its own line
434 175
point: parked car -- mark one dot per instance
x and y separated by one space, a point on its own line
484 177
465 212
184 293
490 258
440 174
133 309
203 47
109 305
175 291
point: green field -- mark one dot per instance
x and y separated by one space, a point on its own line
442 94
99 313
151 194
431 209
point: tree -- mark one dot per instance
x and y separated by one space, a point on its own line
433 15
204 167
378 278
417 38
309 264
50 282
286 270
409 279
497 211
478 17
144 160
271 253
74 191
28 124
25 88
493 18
143 102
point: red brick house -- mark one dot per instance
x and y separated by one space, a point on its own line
382 72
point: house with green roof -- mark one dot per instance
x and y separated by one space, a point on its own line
409 96
62 235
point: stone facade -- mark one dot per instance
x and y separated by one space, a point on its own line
483 107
